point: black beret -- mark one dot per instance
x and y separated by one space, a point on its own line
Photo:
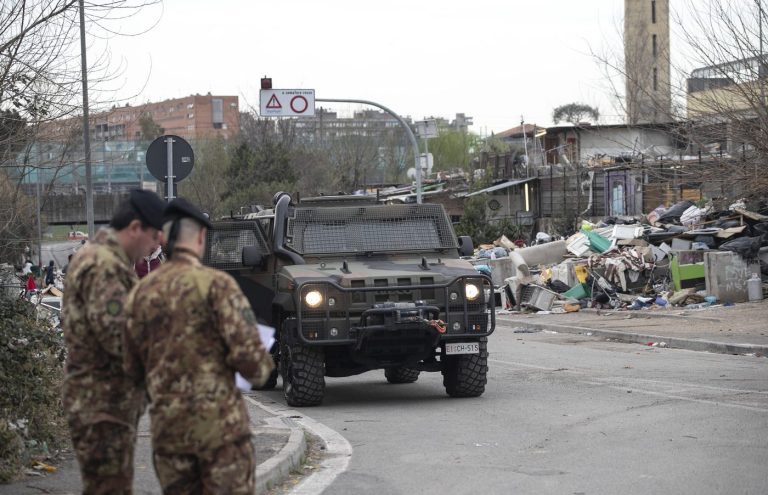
181 208
148 206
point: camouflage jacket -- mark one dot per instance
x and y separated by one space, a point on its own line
189 329
99 278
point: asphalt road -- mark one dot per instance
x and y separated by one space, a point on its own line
562 414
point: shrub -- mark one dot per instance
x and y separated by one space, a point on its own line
31 373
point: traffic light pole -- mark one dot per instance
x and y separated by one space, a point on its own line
403 123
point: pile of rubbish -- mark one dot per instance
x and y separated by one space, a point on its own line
684 255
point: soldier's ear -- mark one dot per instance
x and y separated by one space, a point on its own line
135 225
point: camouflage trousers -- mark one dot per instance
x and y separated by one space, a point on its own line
230 469
105 454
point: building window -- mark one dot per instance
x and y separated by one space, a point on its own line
190 105
655 46
217 125
617 199
655 79
653 11
217 106
192 115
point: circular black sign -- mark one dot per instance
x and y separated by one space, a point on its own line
157 158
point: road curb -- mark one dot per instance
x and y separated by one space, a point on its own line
639 338
275 469
337 450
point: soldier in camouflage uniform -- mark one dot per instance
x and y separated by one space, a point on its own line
189 329
101 403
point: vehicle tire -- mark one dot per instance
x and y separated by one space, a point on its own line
303 370
465 375
401 374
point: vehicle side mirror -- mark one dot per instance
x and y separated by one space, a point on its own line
466 248
252 256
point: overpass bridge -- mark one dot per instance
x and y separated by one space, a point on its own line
70 209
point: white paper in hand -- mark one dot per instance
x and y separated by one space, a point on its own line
267 335
242 383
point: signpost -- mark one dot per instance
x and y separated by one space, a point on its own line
170 159
301 102
427 129
287 102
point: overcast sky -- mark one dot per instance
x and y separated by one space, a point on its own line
493 60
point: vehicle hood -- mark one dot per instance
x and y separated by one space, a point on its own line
441 270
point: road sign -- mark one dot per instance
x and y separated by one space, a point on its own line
157 158
287 102
170 159
427 129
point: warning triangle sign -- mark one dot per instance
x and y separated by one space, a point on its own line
274 103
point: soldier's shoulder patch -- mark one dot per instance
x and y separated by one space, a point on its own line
114 307
249 316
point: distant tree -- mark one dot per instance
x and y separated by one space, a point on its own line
17 220
207 184
453 149
40 82
149 128
722 112
354 157
262 163
575 113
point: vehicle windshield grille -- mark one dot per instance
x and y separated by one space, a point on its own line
225 243
370 229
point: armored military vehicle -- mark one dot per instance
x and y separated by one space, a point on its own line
353 286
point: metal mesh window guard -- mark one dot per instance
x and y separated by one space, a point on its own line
370 229
225 243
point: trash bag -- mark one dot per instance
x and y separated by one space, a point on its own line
543 238
484 269
760 229
558 286
746 247
673 214
728 224
706 239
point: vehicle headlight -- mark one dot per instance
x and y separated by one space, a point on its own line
471 291
313 298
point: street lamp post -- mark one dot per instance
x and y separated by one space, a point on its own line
402 122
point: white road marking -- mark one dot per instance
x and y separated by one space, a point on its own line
338 452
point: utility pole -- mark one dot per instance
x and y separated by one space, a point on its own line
86 129
525 146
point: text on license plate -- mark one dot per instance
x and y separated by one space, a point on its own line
462 348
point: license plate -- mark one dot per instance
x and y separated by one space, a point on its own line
462 348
